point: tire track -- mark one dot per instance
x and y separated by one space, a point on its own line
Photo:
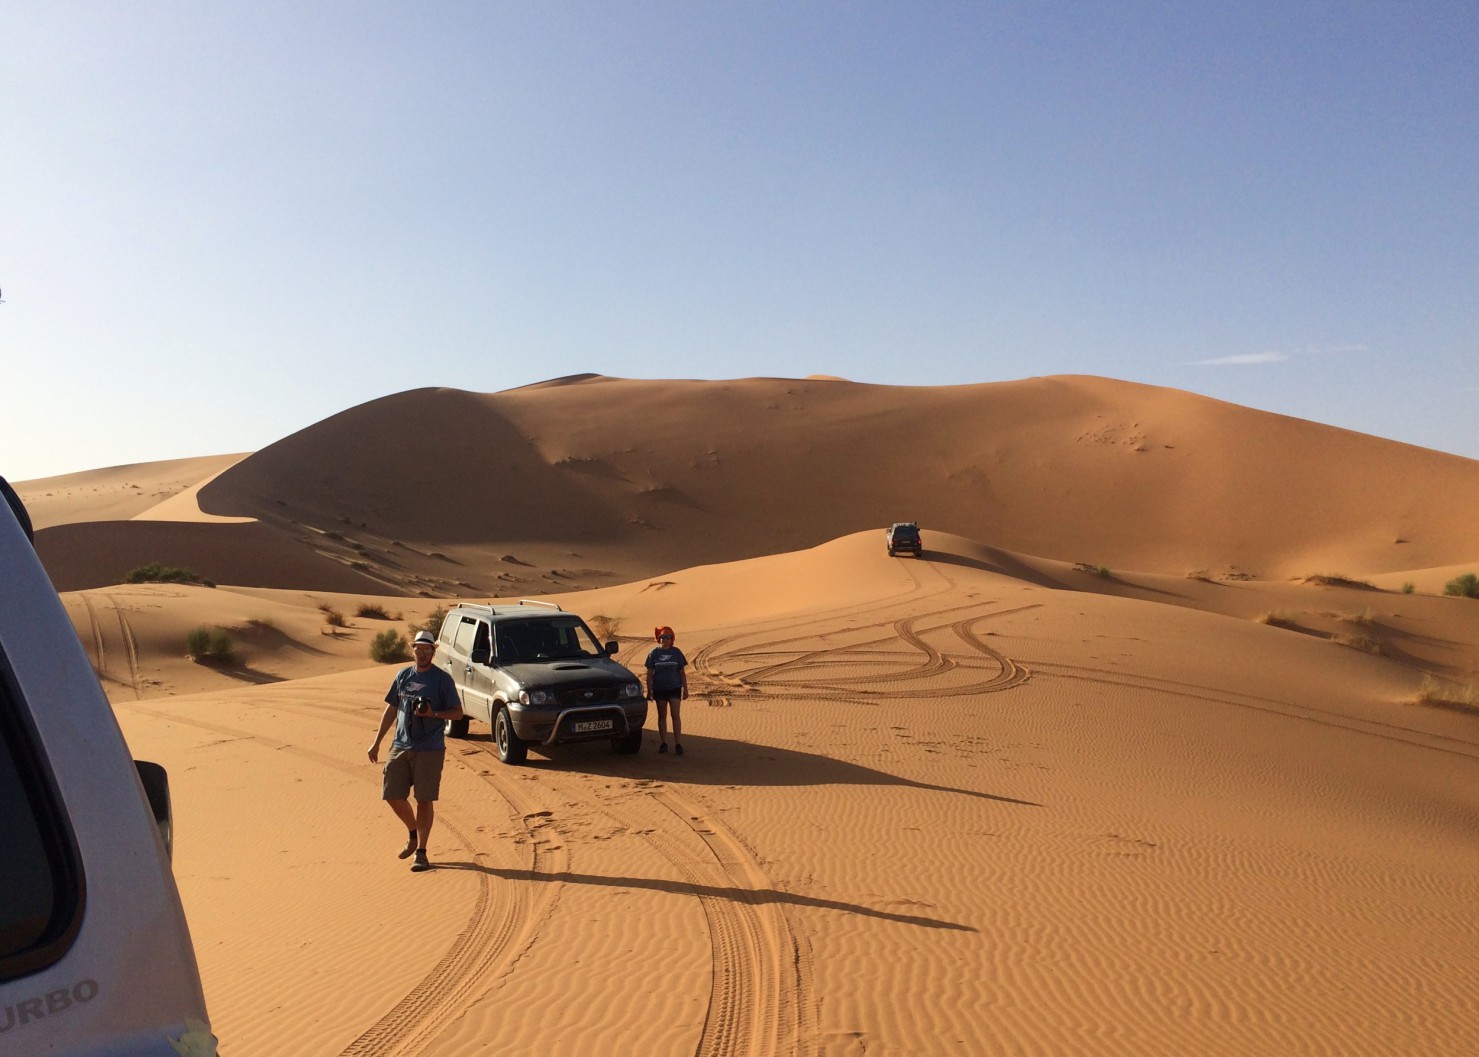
496 934
761 969
130 646
759 965
100 654
790 676
1272 706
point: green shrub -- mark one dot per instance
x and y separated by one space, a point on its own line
333 617
371 611
205 645
389 645
154 573
1408 588
1465 586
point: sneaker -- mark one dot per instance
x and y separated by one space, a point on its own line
677 748
409 849
662 746
420 863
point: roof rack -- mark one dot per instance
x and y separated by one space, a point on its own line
537 602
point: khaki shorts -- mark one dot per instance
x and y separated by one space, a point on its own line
408 768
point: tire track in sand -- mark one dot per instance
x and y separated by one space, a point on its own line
497 932
99 652
760 964
130 646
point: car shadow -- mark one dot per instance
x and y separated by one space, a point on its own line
752 896
721 761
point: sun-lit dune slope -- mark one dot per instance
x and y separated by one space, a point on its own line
115 493
593 481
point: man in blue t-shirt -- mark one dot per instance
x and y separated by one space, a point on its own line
420 701
667 685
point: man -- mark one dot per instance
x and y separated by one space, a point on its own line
420 701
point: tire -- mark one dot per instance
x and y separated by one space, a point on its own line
457 728
890 552
628 744
511 748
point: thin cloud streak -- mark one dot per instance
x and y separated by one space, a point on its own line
1241 360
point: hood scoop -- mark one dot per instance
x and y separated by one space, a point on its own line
572 667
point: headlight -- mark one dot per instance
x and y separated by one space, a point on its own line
536 697
631 690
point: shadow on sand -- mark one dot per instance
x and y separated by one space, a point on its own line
754 896
722 762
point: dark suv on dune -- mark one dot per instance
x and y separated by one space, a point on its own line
904 536
538 676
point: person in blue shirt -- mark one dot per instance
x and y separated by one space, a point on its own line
667 686
420 701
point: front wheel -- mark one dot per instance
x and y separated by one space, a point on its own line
511 747
457 728
628 744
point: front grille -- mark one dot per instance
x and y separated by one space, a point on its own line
590 695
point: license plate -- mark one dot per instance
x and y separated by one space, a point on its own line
589 726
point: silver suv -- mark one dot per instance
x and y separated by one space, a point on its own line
538 676
95 957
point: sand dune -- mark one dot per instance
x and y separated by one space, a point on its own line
570 486
1132 762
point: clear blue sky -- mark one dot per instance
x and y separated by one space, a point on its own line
221 222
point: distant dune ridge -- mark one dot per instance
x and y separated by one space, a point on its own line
1153 753
596 480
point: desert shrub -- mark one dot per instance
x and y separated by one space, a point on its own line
1438 694
389 645
262 623
1276 619
333 617
205 645
433 621
1408 588
1364 643
1337 580
606 628
1103 572
1465 586
372 611
155 573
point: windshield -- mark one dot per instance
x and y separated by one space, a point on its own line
556 638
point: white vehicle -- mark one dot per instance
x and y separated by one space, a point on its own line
95 956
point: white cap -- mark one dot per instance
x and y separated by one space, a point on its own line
424 636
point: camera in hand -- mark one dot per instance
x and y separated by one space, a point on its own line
419 703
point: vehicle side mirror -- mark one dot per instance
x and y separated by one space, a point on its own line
156 787
611 648
481 655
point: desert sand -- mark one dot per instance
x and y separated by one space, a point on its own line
1168 745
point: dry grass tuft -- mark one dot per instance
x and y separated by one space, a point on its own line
1276 618
1437 693
1337 580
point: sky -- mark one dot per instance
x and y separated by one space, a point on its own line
221 223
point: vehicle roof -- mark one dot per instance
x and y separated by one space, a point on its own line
519 611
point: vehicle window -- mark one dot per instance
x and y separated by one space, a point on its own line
42 907
546 639
463 642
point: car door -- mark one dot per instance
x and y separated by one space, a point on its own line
471 679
